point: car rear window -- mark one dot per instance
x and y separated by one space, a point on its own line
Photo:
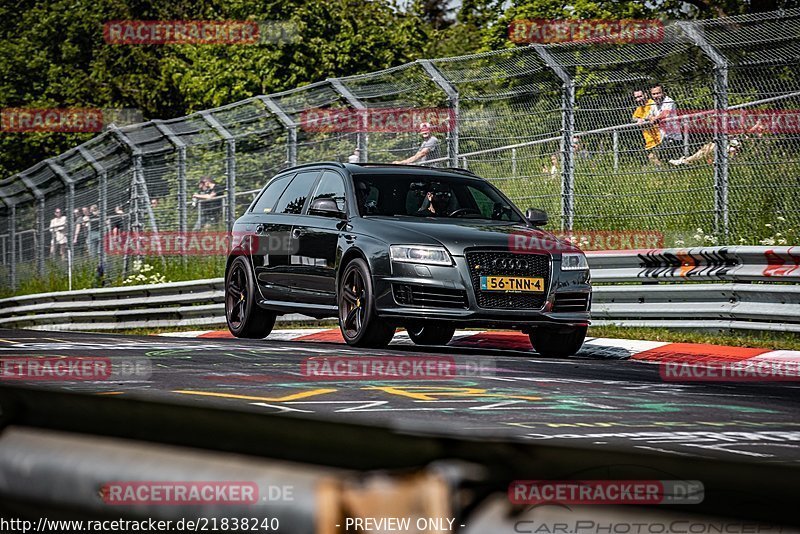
270 195
294 197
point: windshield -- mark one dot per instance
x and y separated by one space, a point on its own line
431 196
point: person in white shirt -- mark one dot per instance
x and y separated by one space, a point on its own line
354 157
58 233
663 109
427 151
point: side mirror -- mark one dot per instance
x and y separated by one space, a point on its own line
536 217
326 207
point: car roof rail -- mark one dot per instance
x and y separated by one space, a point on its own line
451 169
303 165
462 171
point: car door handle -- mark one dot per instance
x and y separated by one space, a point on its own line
296 233
260 229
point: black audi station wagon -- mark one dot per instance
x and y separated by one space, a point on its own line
387 246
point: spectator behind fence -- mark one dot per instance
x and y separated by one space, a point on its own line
94 230
77 231
664 108
427 151
707 152
552 171
734 145
208 200
354 157
652 135
117 221
58 233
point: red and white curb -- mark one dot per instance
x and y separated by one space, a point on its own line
638 350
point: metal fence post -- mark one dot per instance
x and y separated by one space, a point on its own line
40 228
363 136
567 132
721 214
182 195
12 235
615 141
70 185
102 177
452 99
180 147
291 129
230 165
513 162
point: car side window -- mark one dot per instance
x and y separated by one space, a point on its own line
331 186
267 200
294 197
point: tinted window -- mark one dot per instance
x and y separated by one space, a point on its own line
331 186
295 195
431 196
270 195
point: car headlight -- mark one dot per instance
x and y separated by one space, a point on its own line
420 254
573 261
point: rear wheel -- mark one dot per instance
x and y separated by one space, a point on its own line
358 321
558 342
430 334
245 318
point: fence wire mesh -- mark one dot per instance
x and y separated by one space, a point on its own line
550 125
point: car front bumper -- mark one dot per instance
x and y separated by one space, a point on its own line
456 279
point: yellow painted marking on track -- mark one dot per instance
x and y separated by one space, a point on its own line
424 393
111 393
286 398
9 341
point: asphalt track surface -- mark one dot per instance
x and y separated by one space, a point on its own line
596 398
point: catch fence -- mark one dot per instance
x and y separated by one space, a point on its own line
551 125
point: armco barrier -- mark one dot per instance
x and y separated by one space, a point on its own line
756 288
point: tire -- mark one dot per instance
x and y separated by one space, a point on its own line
558 342
358 321
244 317
430 334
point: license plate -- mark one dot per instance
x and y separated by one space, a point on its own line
512 283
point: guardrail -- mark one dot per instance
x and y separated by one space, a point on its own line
756 288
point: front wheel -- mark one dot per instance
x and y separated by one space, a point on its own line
558 342
358 321
245 318
430 334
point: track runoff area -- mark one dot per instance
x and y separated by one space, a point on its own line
671 398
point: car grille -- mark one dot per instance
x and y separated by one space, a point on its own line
429 297
571 302
485 263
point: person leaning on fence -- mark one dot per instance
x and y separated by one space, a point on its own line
427 151
651 134
58 233
208 200
664 109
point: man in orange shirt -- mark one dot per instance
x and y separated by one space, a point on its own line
651 134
